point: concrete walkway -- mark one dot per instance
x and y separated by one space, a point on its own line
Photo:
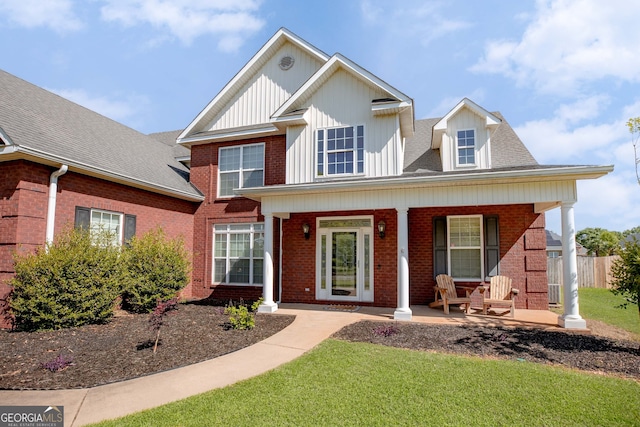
313 324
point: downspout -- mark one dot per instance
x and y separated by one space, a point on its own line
51 207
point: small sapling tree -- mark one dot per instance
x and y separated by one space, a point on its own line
159 315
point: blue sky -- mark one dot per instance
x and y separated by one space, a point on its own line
565 74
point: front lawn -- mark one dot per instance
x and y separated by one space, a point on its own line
342 383
601 304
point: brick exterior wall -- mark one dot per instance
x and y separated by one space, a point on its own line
24 188
522 252
23 204
522 255
299 258
204 175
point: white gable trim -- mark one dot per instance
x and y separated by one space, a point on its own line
278 39
4 138
439 128
336 62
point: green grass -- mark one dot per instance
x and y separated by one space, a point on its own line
601 304
356 384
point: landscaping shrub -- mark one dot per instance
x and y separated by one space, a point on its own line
156 269
240 317
72 282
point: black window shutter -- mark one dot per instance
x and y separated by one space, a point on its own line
83 218
129 227
439 245
491 246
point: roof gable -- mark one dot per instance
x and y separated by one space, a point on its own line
202 123
440 128
292 111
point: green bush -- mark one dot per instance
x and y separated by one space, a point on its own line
72 282
626 273
240 317
156 269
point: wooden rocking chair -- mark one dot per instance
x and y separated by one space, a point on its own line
446 294
501 294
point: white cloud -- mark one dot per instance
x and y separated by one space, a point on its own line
423 22
229 20
569 43
563 140
120 111
55 14
613 200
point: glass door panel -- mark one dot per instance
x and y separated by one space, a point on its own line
344 263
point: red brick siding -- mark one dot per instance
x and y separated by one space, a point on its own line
517 224
24 190
204 175
299 258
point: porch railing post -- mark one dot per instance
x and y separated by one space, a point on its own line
268 305
571 318
403 312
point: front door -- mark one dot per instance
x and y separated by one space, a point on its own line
344 260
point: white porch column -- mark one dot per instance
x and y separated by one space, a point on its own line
403 312
268 305
571 318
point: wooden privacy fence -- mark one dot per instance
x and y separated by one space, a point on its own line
593 272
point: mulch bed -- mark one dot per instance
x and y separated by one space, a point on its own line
123 348
574 350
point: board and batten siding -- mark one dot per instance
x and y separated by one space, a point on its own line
408 197
267 90
344 101
465 119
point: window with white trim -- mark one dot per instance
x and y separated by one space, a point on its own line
465 243
340 151
240 167
238 254
466 147
107 222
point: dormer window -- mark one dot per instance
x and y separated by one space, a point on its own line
340 151
466 147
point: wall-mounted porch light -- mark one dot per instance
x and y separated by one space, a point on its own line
306 229
382 227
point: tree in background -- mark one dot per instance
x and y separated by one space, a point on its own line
634 128
626 273
598 241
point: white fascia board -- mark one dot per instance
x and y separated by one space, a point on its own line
228 136
277 38
440 127
6 140
82 168
339 61
389 107
569 172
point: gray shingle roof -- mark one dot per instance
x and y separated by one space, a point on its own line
44 123
169 138
507 150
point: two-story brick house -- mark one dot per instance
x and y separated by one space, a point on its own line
316 184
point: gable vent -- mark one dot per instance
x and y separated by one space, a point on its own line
286 62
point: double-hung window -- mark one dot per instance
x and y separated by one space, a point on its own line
240 167
107 222
465 246
466 147
238 252
340 151
117 226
